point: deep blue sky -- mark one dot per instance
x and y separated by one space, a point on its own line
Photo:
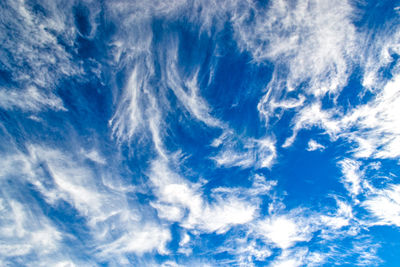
199 133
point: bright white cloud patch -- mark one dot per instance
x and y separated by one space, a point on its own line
313 145
177 197
385 206
284 231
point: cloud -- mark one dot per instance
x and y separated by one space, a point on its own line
143 103
21 237
299 237
311 44
299 257
367 253
33 56
270 107
384 205
27 233
313 47
379 52
182 201
352 176
313 146
94 156
115 227
284 231
373 126
314 115
378 132
129 114
141 240
244 152
30 100
341 218
187 90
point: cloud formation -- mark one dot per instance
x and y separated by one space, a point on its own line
173 134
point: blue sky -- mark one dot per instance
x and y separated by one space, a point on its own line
199 133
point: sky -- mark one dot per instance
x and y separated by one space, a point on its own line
199 133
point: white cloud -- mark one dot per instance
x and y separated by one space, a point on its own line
135 51
384 205
313 145
72 182
33 55
142 106
246 153
176 196
378 123
339 224
129 115
352 176
187 89
341 218
373 126
26 232
22 235
260 187
321 66
170 264
94 156
313 115
222 215
168 211
140 240
284 231
30 99
310 43
270 107
185 240
230 158
378 53
366 251
116 228
299 257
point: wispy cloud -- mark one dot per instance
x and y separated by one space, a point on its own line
245 152
26 232
311 43
313 48
372 126
33 57
384 205
30 99
175 195
114 226
352 176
